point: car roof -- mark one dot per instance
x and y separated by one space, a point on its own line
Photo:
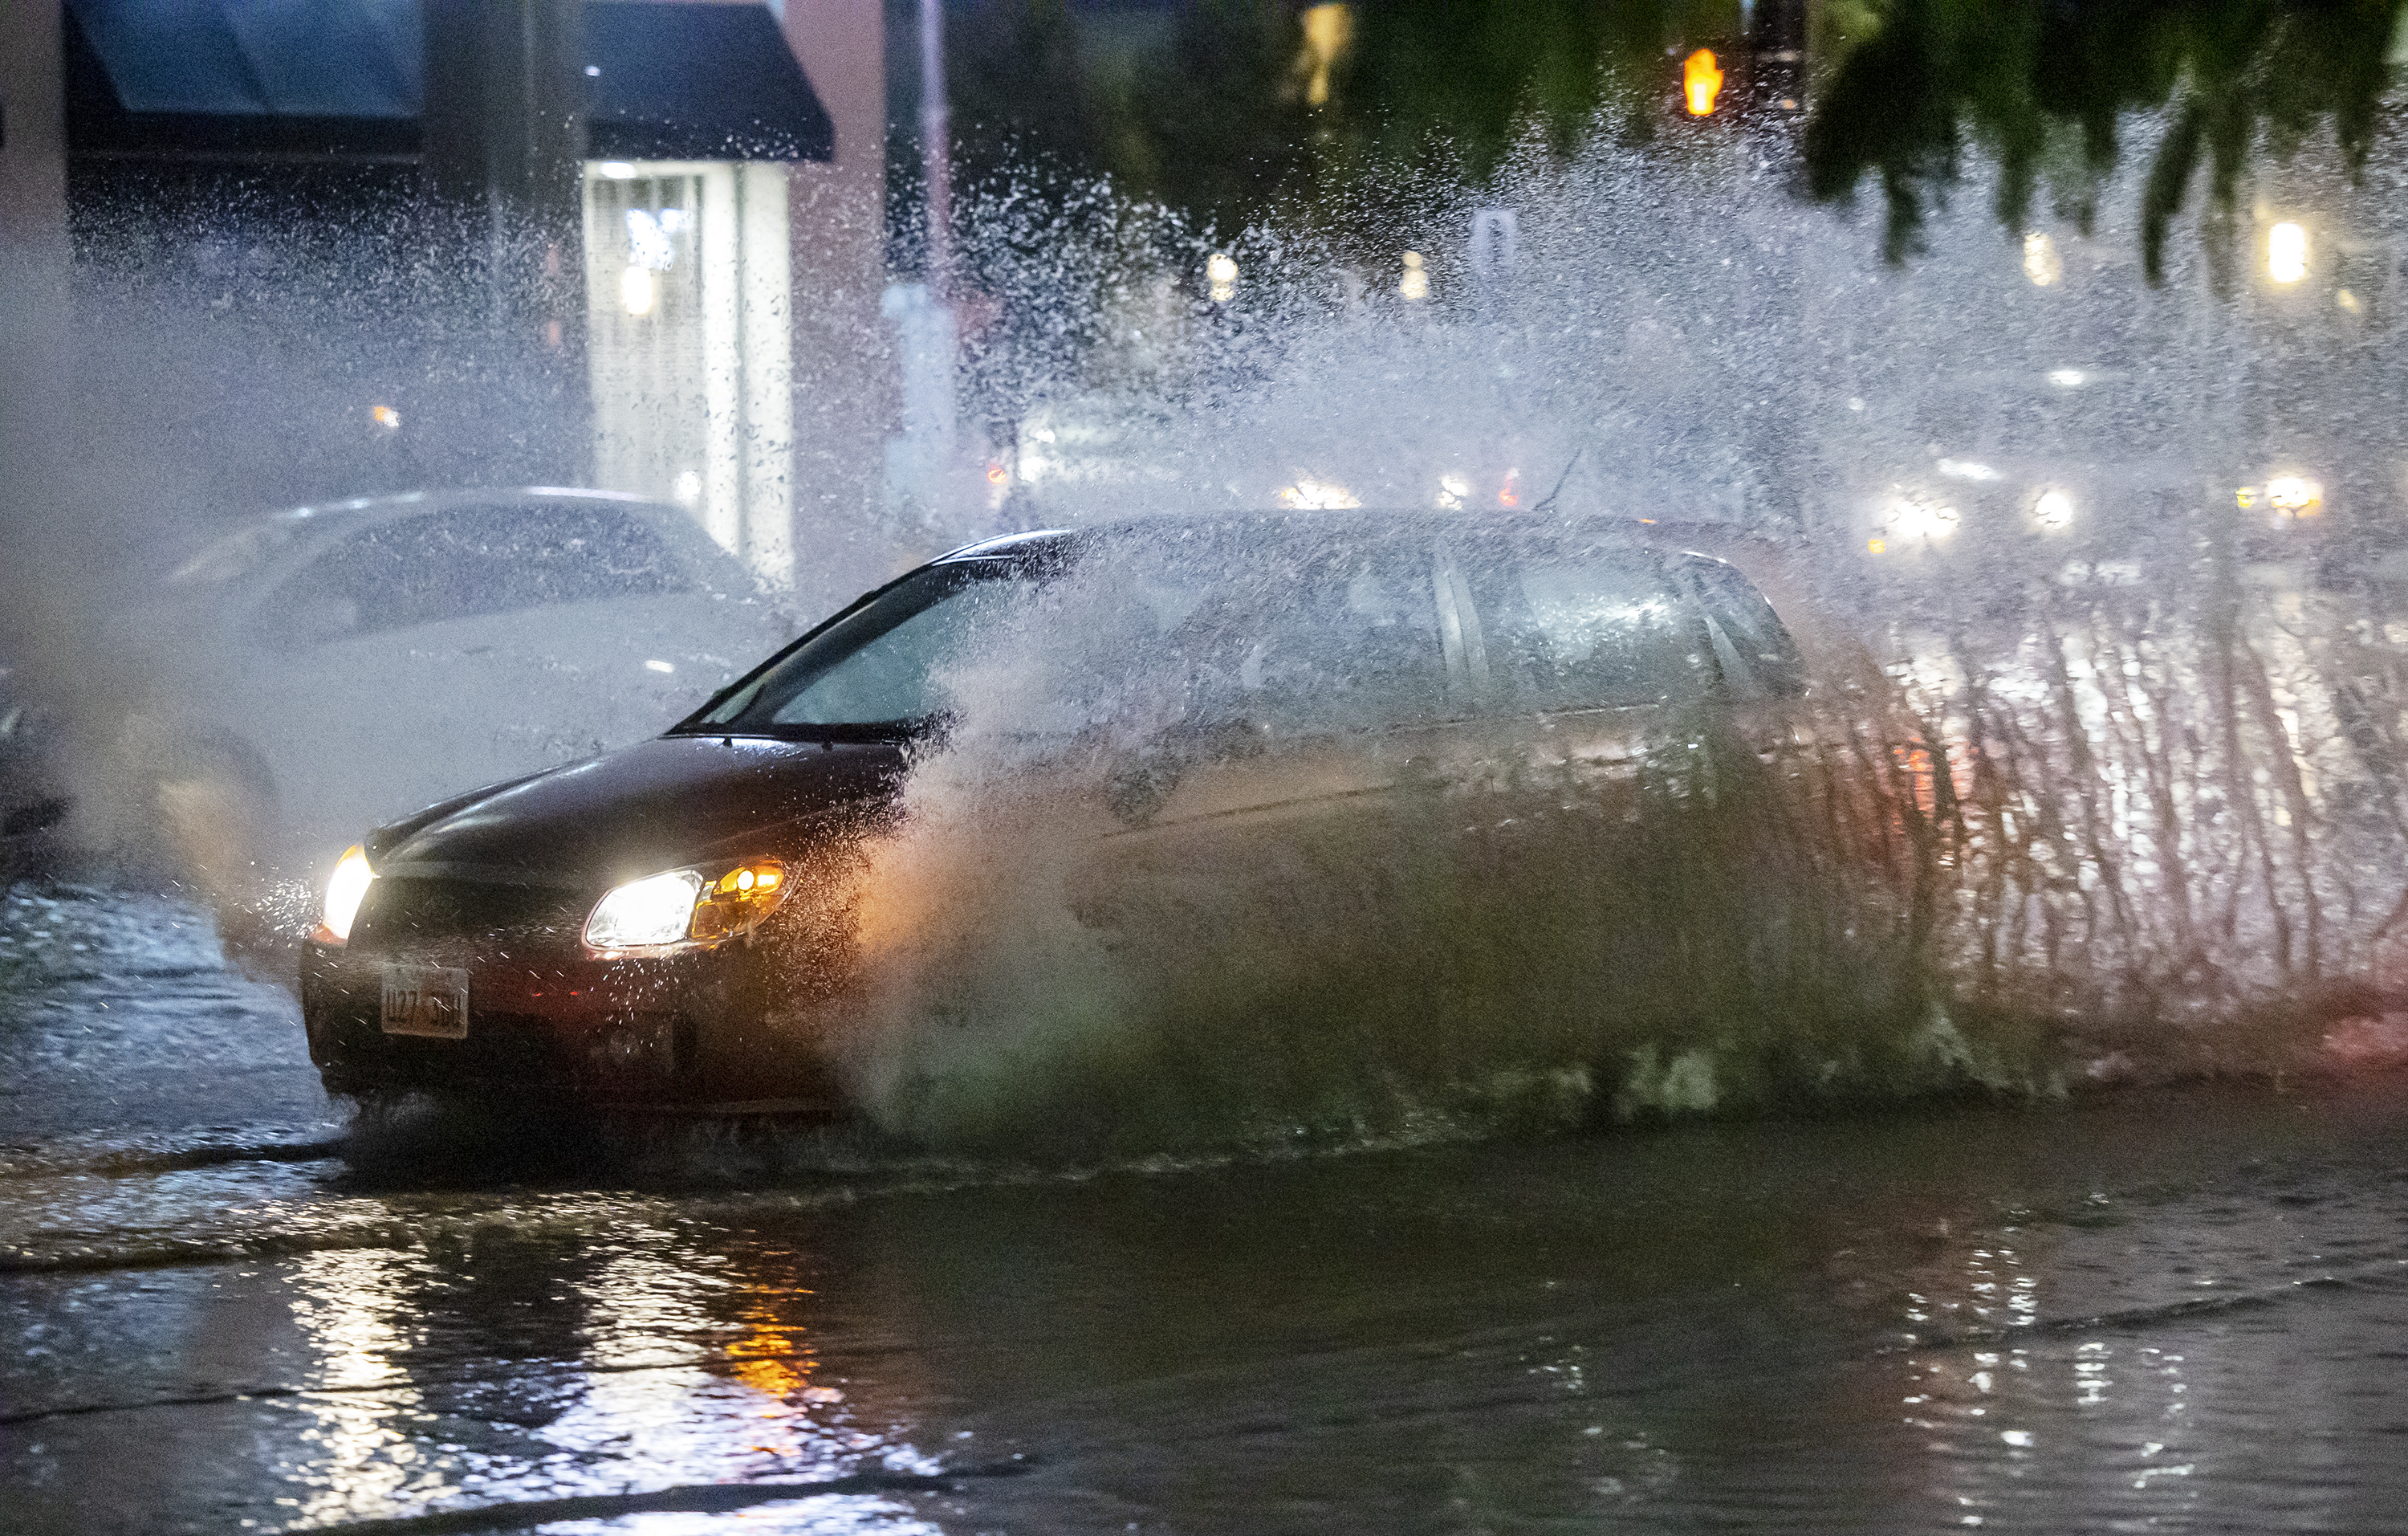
1353 523
253 544
415 503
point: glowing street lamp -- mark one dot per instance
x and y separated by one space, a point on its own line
1327 31
2286 253
1701 83
637 290
1221 273
2041 264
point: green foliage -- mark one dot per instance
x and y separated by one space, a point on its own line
1209 113
1201 115
2026 77
1206 112
1470 74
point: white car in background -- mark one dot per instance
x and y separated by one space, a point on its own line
337 666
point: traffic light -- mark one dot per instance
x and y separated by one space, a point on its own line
1701 83
1757 73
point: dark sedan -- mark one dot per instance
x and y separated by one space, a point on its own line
681 923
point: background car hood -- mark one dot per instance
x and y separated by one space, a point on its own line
649 806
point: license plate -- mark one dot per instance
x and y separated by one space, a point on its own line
426 1000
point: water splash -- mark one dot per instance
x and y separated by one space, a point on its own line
2113 797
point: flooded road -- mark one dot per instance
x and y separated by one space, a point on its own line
224 1309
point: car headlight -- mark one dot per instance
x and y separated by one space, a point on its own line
685 908
345 888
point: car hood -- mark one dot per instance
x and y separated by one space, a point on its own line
661 803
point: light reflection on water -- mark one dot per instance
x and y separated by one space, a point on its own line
1483 1339
2180 1309
682 1374
352 1307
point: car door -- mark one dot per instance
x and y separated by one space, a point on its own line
1245 864
1536 835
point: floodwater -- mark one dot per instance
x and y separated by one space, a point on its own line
224 1309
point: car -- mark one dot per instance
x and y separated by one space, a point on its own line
333 665
1175 716
36 803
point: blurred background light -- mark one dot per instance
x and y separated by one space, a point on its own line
2041 264
1911 519
2286 253
2294 493
1701 83
1313 495
1221 272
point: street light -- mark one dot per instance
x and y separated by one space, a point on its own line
1222 274
1327 30
636 290
2286 253
2041 264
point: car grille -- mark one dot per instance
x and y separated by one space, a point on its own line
404 911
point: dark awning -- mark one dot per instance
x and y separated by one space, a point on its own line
697 82
665 81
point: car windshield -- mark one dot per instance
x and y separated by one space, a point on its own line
878 669
1340 638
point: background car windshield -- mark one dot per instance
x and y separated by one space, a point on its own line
464 563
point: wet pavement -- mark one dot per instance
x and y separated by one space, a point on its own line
224 1307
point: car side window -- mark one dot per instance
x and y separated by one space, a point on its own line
1572 629
1348 638
464 563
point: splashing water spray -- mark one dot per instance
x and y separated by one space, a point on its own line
2114 795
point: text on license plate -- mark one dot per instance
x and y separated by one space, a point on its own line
426 1000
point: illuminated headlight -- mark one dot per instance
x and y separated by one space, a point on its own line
2294 493
1911 519
345 888
644 913
685 908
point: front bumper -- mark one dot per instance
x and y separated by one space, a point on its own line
707 1031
